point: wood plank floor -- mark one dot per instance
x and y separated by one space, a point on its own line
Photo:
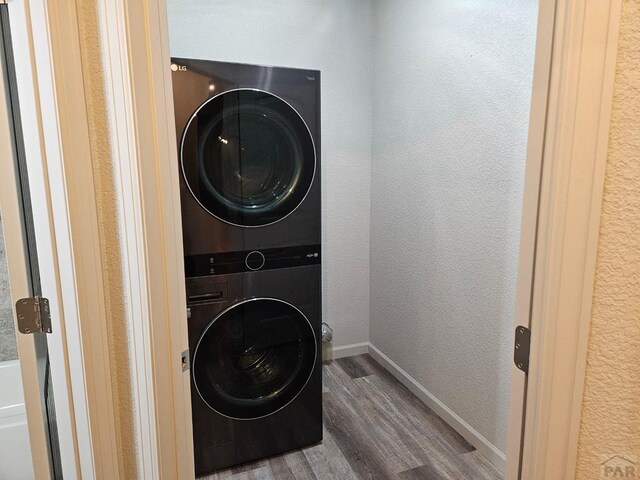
374 428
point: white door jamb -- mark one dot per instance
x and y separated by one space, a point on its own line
583 60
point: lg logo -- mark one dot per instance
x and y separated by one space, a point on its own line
178 68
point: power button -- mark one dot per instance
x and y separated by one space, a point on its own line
254 260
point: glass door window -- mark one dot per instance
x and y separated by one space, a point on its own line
254 358
248 157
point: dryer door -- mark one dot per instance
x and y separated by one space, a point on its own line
248 157
254 358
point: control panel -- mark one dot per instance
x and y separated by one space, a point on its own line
251 260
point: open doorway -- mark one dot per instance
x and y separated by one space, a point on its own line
424 123
137 81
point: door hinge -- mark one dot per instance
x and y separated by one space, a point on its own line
186 363
521 348
33 315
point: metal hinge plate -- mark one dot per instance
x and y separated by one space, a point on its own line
521 348
33 315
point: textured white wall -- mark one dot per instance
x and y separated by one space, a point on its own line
611 406
452 91
333 36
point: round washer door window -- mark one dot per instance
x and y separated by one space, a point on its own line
254 358
248 157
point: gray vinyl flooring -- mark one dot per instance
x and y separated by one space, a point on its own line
374 428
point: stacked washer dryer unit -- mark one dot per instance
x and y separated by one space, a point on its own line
249 141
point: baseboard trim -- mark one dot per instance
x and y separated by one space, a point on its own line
484 446
333 353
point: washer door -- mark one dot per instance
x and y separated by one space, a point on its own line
254 358
248 157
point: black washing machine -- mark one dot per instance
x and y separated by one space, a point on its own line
256 383
249 141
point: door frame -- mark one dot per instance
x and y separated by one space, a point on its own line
574 155
15 245
571 104
54 120
572 95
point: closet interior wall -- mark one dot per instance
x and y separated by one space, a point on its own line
424 124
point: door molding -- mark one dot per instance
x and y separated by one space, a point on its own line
139 102
53 115
134 35
529 223
20 283
64 177
583 60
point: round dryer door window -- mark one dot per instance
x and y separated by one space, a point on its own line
248 157
254 358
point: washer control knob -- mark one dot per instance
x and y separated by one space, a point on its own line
254 260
